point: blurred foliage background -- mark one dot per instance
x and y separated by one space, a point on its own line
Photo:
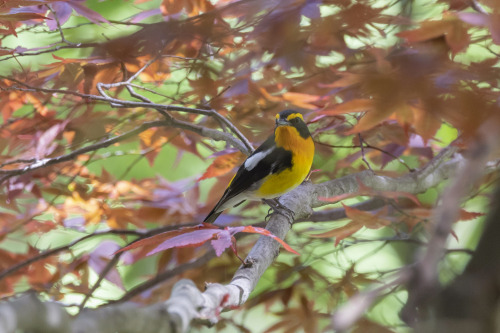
410 78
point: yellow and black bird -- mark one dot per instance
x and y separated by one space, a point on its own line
278 166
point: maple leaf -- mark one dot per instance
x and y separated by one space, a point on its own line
355 105
152 140
21 17
63 11
265 232
451 27
160 238
302 100
484 20
223 164
192 7
86 12
99 258
359 219
195 236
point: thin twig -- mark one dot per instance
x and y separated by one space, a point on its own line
52 50
363 158
21 160
102 275
478 7
247 146
159 107
213 134
152 60
366 145
61 33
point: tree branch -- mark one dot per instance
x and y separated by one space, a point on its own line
240 142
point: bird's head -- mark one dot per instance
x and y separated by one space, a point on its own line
294 119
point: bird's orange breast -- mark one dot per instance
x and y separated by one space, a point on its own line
302 150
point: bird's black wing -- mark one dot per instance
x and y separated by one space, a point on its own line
265 160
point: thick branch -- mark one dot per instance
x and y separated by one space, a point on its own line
30 315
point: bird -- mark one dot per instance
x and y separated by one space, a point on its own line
276 167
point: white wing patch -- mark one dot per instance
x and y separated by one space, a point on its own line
253 160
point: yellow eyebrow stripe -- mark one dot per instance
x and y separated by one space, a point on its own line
294 115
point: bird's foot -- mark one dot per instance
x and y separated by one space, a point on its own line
269 213
277 207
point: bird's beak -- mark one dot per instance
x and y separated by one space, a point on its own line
282 122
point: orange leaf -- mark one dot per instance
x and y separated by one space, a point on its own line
268 96
223 164
22 17
301 100
359 219
355 105
265 232
367 219
404 114
346 79
340 233
465 215
426 124
427 30
371 119
39 106
451 27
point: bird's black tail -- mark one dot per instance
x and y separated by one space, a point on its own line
212 216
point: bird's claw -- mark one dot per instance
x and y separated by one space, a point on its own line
277 207
269 213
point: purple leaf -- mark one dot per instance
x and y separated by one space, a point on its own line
76 223
86 12
45 144
474 18
311 9
223 152
144 15
222 242
99 259
194 238
63 12
393 148
239 88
